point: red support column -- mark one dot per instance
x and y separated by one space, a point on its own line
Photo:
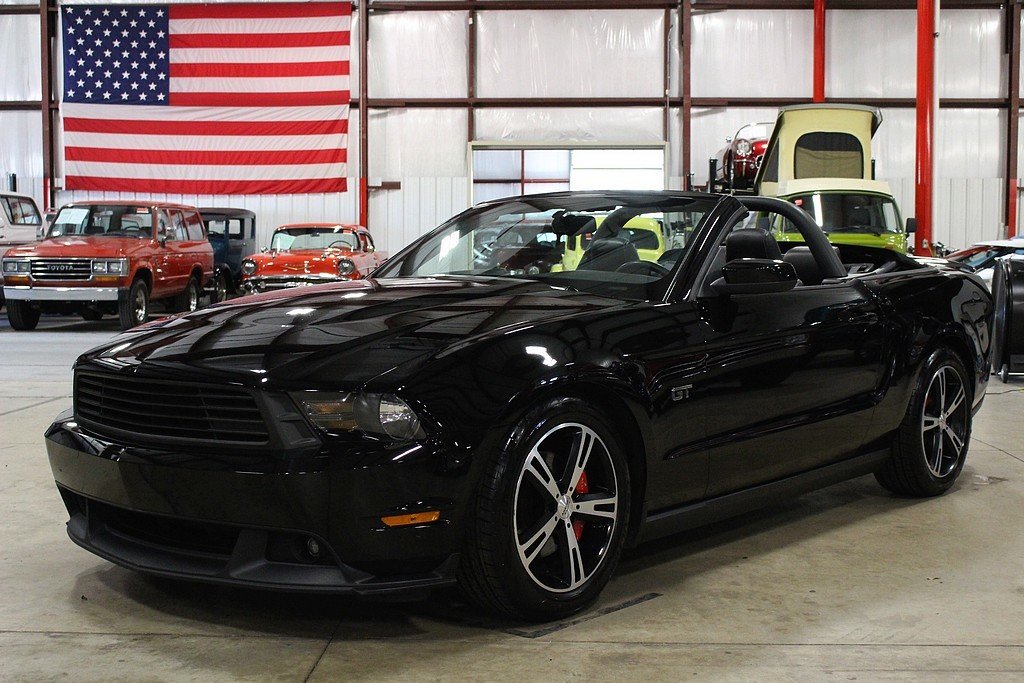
925 124
819 50
364 114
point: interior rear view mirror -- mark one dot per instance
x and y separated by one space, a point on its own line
755 276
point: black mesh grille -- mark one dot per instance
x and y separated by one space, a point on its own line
168 411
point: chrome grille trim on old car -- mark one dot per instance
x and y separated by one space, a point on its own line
60 269
158 412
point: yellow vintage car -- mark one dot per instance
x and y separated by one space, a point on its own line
647 235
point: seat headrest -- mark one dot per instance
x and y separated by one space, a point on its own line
751 243
805 265
608 254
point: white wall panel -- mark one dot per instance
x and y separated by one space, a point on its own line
612 53
418 54
21 151
19 74
400 216
595 124
752 53
418 143
970 54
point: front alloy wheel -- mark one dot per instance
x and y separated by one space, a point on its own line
550 515
563 523
944 421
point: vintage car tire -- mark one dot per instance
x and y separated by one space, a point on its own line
91 314
925 461
188 300
1008 326
494 573
22 315
221 289
133 308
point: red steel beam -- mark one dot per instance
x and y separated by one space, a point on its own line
925 124
1013 114
364 115
819 51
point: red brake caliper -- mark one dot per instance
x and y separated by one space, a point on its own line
581 487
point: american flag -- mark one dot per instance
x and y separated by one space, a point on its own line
206 99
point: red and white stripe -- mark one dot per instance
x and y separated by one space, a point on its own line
258 104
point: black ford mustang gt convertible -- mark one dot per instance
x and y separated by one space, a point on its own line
486 411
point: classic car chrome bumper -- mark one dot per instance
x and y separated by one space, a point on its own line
25 293
275 282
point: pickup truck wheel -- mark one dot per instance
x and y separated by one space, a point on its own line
22 315
931 445
133 308
188 300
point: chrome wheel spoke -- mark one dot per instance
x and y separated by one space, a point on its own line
529 550
573 557
540 471
582 448
955 403
954 440
598 505
929 423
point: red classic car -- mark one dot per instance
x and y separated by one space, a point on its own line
311 253
738 161
102 258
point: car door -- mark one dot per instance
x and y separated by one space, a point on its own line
791 380
20 220
196 249
175 248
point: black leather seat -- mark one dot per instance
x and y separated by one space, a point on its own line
608 254
751 243
806 265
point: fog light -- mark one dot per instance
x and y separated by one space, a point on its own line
313 548
425 517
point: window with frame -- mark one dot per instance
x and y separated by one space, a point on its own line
20 211
828 155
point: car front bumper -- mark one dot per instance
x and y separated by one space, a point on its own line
277 282
183 516
82 294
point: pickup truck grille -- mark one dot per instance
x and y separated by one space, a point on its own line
63 269
153 412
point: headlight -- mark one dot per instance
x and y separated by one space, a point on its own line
744 148
346 267
249 267
382 415
13 266
110 266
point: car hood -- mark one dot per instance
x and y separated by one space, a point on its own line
82 246
299 261
339 335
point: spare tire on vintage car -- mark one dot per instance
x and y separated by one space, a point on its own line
1008 337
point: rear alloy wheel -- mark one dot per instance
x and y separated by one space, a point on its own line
22 315
551 516
188 300
932 442
133 308
220 288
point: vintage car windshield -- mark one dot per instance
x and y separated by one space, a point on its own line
103 220
753 131
314 238
845 212
526 238
984 256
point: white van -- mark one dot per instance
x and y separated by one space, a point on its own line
20 220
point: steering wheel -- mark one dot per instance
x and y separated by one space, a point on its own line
649 268
343 243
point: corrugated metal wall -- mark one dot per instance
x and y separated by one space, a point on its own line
612 53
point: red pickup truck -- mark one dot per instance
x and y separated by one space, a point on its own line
110 258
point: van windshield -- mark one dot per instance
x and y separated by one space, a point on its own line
103 220
849 212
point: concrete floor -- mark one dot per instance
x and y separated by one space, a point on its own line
844 584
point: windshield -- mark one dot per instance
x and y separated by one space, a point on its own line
527 238
754 131
318 238
103 221
983 256
848 212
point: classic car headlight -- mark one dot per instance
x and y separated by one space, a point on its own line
380 414
346 267
117 266
744 148
249 267
13 266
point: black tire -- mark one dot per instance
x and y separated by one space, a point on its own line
561 576
22 315
188 300
91 314
133 307
221 290
925 459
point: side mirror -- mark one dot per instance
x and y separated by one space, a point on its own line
911 226
755 276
